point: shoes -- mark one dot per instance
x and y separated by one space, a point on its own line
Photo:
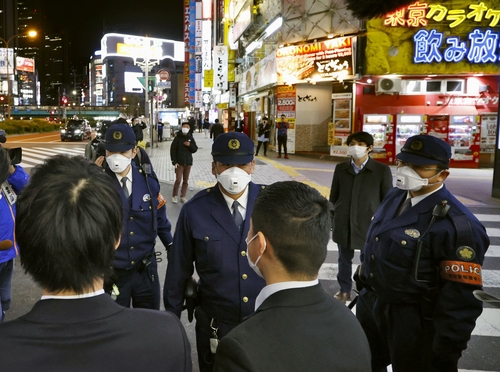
265 154
174 199
342 296
286 156
183 200
256 154
279 156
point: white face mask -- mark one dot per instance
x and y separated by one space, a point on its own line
253 265
408 179
357 152
185 130
234 180
118 163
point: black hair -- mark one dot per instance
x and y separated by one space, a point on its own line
4 165
69 220
296 219
360 137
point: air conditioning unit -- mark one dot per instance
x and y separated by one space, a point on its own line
388 85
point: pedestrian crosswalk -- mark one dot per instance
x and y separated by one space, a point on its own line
35 155
487 330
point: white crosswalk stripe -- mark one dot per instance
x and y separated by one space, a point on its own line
36 155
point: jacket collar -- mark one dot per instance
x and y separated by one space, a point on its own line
59 311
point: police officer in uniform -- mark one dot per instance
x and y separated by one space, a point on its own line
145 218
211 232
420 264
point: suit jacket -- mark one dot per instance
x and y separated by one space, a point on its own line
300 329
207 235
93 334
355 199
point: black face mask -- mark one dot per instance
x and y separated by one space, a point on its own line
4 165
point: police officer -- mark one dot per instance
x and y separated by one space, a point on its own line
135 267
211 232
420 264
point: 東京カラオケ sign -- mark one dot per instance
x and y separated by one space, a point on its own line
436 37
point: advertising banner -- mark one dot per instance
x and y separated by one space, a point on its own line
434 37
25 64
220 67
329 59
4 60
286 96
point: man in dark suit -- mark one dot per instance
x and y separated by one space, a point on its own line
358 187
296 325
69 221
216 129
210 233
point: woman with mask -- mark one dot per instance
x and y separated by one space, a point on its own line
181 153
358 187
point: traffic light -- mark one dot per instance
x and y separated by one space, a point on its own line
151 83
64 100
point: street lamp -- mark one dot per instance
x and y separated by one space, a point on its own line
30 34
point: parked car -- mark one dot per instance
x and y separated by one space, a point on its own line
76 130
102 127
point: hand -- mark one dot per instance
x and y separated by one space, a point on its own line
100 160
176 165
187 143
12 169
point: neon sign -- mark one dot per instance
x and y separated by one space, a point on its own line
418 14
481 49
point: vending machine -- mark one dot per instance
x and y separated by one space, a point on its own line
381 127
407 126
464 136
437 126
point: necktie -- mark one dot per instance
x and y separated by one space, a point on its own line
405 206
124 187
238 219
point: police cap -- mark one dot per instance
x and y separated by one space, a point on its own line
233 148
119 138
425 150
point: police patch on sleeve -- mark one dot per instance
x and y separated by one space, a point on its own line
461 272
466 253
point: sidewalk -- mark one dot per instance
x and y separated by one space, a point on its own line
267 169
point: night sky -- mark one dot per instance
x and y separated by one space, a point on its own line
86 21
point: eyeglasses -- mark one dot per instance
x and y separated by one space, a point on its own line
400 163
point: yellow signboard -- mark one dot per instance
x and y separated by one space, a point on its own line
208 79
331 134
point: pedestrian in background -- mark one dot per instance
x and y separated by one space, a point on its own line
160 131
216 129
296 326
264 132
69 224
210 234
206 127
13 178
282 132
145 218
420 264
181 153
358 187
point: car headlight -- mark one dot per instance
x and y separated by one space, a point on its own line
77 131
63 131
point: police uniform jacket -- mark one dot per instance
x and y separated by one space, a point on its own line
181 154
207 235
17 181
388 261
93 334
300 329
142 221
355 198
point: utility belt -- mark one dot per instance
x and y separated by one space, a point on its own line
215 328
